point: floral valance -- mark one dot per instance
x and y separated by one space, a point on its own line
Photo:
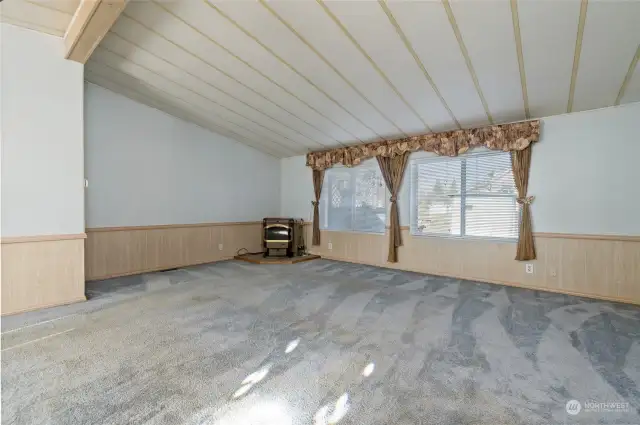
505 137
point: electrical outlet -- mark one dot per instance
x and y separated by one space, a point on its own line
220 246
329 246
553 272
528 268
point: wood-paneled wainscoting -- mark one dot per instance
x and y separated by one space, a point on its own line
41 271
121 251
606 267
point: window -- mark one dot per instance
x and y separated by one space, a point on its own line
354 199
467 196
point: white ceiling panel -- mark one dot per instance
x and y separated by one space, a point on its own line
389 56
429 32
204 89
345 61
197 101
548 52
611 37
246 84
179 31
290 76
205 19
384 118
47 17
125 85
632 91
487 30
232 90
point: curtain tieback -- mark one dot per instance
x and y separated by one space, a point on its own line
393 199
527 200
315 203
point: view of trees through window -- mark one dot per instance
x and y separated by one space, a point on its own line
473 195
354 199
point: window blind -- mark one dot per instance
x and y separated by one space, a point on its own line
354 199
466 196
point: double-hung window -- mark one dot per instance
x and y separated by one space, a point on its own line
354 199
473 196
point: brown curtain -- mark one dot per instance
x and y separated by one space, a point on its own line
392 169
318 178
521 163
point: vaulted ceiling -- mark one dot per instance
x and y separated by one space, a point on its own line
287 77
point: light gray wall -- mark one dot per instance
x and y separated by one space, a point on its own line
584 175
42 141
146 167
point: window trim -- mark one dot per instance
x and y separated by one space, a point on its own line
324 209
463 195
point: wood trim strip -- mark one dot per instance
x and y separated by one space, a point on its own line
622 238
155 269
43 306
43 238
170 226
89 25
497 282
576 55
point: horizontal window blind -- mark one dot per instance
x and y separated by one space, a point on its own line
354 199
466 196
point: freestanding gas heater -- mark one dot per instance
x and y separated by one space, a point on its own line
283 237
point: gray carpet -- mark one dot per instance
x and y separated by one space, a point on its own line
320 342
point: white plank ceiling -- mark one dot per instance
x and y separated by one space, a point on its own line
288 77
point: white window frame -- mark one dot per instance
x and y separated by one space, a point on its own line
414 206
325 199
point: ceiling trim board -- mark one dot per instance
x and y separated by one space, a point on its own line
272 81
165 108
364 53
467 59
31 25
89 24
214 87
411 50
170 95
304 77
576 55
523 76
202 96
230 77
48 6
627 78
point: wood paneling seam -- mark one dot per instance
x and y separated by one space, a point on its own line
467 59
362 51
409 47
576 54
627 77
515 17
314 50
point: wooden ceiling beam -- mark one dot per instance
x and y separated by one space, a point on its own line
91 22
